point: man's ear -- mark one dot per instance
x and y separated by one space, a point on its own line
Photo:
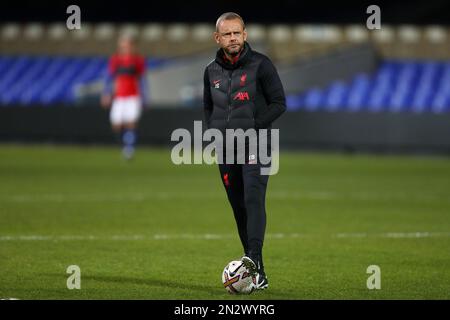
217 37
244 34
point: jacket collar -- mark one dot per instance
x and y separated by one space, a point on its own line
243 57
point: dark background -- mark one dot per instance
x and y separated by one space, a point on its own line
286 11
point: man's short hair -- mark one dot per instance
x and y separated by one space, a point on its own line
229 16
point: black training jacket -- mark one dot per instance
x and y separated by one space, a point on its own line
246 94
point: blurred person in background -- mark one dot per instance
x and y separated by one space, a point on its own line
242 90
124 92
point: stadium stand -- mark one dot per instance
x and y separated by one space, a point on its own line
47 64
396 86
45 80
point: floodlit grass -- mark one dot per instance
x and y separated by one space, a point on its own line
149 229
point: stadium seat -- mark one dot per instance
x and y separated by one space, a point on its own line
33 32
129 30
256 33
177 32
152 32
10 31
202 32
397 86
356 33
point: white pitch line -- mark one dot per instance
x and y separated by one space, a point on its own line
170 196
208 236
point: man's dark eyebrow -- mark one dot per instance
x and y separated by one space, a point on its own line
231 32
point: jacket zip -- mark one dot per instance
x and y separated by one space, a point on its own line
229 95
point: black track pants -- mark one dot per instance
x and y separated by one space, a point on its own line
246 191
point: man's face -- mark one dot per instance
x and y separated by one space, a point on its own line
125 46
230 36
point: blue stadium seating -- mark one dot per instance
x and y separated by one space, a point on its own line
43 80
397 85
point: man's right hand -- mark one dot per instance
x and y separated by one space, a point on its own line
106 101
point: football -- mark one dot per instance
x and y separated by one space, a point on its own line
236 279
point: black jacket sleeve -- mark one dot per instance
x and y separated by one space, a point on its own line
273 92
207 100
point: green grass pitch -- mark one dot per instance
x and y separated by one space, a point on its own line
149 229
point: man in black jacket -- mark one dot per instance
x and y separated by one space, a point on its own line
242 90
